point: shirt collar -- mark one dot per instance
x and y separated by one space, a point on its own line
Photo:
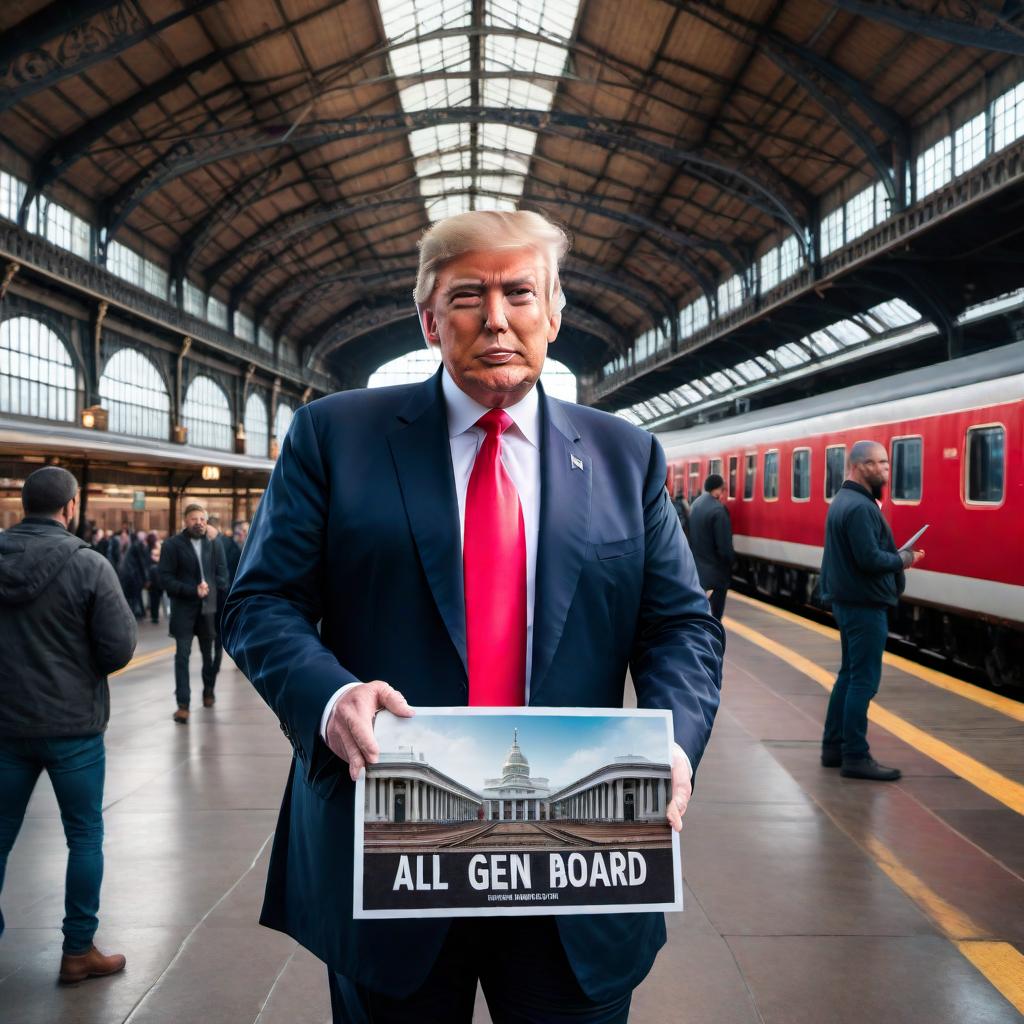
463 411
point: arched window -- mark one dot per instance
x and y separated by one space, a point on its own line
257 439
207 415
282 421
37 374
559 381
135 396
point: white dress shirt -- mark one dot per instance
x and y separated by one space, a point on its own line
197 547
520 455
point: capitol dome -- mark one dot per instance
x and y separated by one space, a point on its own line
516 768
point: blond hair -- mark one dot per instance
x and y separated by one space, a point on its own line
486 230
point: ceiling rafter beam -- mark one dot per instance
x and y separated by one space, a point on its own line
96 38
316 215
963 24
755 183
829 85
69 149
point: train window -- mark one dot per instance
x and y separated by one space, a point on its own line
986 455
733 475
835 469
749 472
771 476
693 490
906 457
715 467
801 474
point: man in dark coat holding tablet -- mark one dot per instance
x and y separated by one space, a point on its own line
467 540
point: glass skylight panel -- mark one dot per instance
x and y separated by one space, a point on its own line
404 18
438 92
1008 117
555 18
848 332
505 183
516 94
510 53
751 369
821 343
895 313
447 206
494 203
719 381
448 53
789 355
508 139
445 185
438 139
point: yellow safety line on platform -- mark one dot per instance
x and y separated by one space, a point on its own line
999 962
992 701
144 659
998 786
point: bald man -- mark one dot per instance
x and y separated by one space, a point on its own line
862 575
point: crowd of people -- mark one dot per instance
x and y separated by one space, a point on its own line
135 556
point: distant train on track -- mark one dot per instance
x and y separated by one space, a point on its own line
955 435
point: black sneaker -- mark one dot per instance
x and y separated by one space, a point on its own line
869 768
831 757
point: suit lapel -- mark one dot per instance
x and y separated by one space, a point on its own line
422 455
566 478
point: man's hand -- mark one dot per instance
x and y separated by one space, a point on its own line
911 558
682 787
350 727
918 555
203 589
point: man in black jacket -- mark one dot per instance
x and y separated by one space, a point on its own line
862 575
64 626
711 542
193 572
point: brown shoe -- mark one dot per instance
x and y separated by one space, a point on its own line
207 700
181 715
89 965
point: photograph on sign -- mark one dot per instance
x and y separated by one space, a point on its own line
497 811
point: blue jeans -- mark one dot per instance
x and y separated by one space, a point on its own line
862 631
76 766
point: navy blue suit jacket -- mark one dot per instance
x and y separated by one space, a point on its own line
359 531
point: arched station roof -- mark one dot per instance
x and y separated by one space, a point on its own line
286 155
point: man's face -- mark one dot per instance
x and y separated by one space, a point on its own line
211 531
718 494
490 315
874 472
195 523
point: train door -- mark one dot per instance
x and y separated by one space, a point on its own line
693 483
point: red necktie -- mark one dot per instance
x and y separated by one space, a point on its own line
494 563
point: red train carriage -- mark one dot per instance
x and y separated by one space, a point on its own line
955 435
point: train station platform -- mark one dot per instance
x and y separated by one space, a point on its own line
809 898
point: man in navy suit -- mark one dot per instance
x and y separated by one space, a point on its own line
467 540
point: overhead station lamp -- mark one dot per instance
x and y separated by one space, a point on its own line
211 472
95 417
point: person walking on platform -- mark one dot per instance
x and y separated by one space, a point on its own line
133 572
711 542
64 627
156 590
192 572
404 540
862 576
218 540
